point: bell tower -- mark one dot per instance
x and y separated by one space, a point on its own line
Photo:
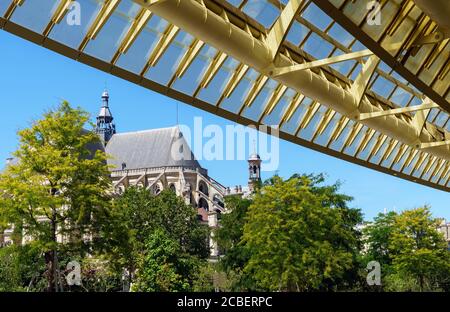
254 168
105 127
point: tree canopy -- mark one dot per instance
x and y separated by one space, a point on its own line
58 183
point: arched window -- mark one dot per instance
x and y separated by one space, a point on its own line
156 189
202 203
219 214
218 200
120 189
172 188
203 187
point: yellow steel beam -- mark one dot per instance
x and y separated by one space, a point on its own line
396 111
361 82
196 18
58 15
319 63
12 7
280 28
433 144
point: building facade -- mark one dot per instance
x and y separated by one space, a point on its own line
156 160
159 159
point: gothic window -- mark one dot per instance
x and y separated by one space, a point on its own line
203 188
120 189
156 189
202 203
218 200
172 188
219 214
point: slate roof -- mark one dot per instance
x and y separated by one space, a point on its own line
149 149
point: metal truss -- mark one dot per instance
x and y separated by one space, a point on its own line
367 82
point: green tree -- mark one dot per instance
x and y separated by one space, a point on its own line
137 214
166 266
378 236
21 268
419 250
58 184
229 238
300 235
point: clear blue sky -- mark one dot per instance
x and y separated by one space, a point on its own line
34 79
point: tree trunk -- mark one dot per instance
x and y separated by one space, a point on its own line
52 260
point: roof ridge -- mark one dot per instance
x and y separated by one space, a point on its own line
147 130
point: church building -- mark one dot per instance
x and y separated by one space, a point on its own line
159 159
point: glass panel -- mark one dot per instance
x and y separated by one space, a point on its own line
340 140
364 154
343 67
352 148
401 97
341 35
277 113
411 165
213 91
236 3
444 178
112 33
297 33
291 125
317 47
72 34
418 172
255 110
322 139
163 71
376 158
263 11
388 162
427 175
308 132
398 166
316 17
441 119
438 174
4 4
137 55
236 100
382 87
189 82
34 14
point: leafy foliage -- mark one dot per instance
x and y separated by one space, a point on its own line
295 235
419 250
412 252
166 266
137 215
58 184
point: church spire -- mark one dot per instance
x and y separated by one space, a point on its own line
254 168
105 127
